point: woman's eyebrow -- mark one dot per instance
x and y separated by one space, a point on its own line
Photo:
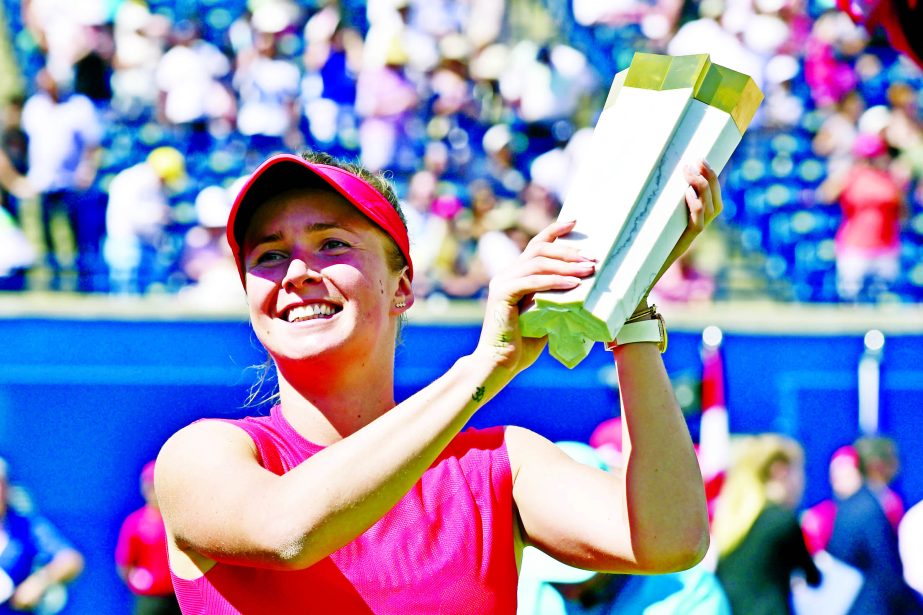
326 226
272 237
315 227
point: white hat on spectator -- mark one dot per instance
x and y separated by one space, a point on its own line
271 17
212 207
454 46
496 138
764 34
781 68
322 25
874 119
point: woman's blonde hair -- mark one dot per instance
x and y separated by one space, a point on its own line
745 492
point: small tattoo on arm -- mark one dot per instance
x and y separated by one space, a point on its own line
478 394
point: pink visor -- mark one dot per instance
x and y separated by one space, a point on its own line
284 172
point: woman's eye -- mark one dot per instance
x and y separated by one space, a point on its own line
269 256
334 244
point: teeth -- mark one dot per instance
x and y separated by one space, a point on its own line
308 312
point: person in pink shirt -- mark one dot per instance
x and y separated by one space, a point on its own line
872 201
141 554
342 500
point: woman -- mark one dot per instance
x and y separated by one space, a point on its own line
343 501
757 533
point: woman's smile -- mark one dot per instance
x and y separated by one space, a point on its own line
310 311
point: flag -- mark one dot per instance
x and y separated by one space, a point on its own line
714 435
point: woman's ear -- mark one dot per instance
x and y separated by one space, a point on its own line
403 296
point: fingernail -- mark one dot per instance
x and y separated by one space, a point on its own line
586 257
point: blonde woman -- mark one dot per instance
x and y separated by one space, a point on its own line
759 540
344 501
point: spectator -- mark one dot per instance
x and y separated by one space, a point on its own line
385 100
136 219
332 61
191 94
760 545
268 87
64 133
16 251
837 134
141 554
845 480
427 230
93 68
139 37
829 73
34 557
864 537
206 259
14 148
499 165
873 205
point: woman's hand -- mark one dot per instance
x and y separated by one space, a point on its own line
543 265
703 199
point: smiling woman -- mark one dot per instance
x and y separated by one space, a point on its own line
342 500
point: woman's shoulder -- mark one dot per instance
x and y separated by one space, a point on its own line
209 436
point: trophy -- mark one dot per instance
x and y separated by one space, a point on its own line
627 194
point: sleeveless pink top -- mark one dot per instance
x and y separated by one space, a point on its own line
446 547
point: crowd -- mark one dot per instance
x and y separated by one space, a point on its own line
137 119
769 555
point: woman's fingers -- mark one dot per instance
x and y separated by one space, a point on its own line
556 250
517 288
542 273
703 197
552 232
716 200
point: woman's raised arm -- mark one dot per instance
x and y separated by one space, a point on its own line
649 515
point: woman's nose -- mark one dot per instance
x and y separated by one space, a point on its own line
299 272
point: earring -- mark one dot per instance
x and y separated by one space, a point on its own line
400 305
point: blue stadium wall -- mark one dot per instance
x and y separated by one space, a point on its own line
85 402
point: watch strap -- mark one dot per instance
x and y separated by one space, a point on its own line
652 330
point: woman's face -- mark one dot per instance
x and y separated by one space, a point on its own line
318 280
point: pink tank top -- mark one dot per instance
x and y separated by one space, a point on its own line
446 547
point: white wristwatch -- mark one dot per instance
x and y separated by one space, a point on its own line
652 330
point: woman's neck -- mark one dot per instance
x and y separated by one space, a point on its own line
327 405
